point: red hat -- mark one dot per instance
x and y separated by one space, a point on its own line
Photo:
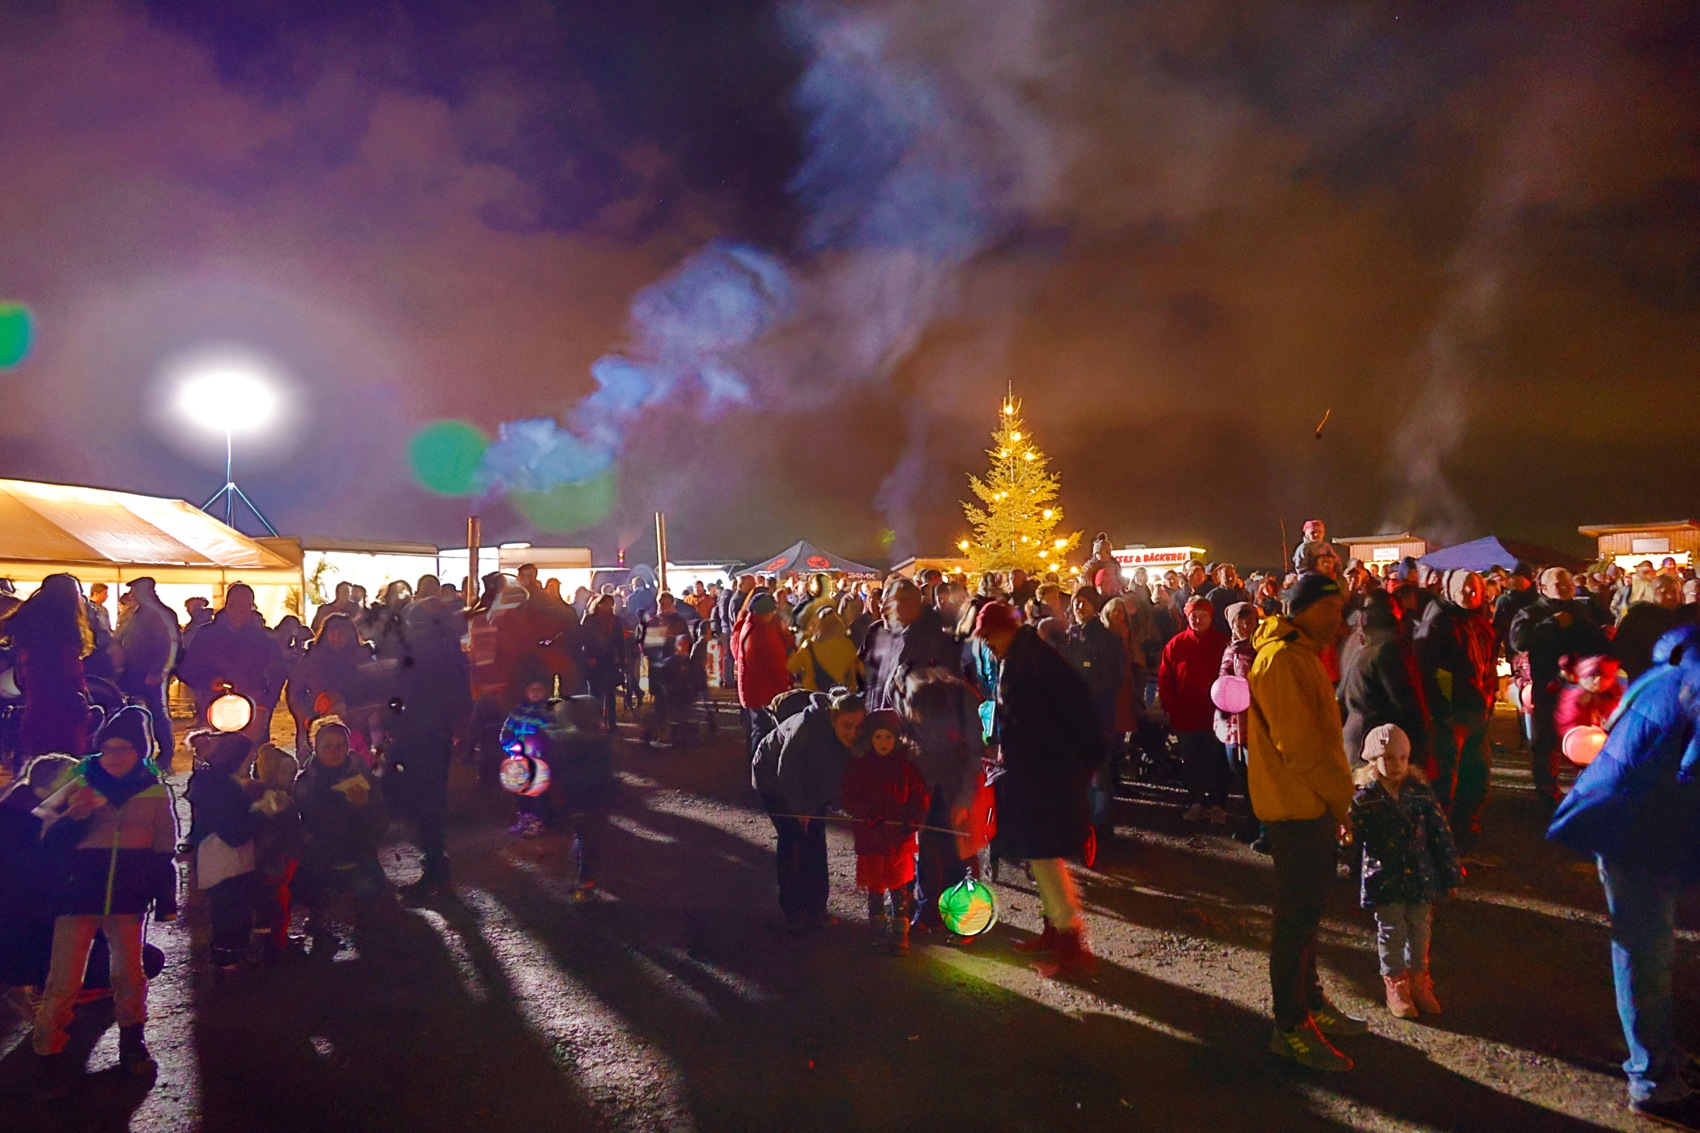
995 617
1199 600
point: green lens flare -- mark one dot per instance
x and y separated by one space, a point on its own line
568 507
17 331
445 455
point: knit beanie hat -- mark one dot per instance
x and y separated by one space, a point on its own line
1384 739
995 617
885 718
1310 589
763 602
130 723
1199 600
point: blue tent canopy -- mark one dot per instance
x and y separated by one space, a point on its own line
803 557
1485 554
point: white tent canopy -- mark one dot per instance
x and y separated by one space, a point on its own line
113 537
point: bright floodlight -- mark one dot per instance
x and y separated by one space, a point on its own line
227 399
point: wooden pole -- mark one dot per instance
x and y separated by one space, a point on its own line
661 551
474 535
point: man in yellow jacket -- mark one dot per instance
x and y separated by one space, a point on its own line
1301 788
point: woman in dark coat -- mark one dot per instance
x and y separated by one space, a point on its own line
1380 682
331 668
1050 743
422 723
50 636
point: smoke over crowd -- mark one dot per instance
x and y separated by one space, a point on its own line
775 267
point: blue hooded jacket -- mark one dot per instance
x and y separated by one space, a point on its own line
1638 803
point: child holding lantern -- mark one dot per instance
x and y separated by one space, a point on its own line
884 790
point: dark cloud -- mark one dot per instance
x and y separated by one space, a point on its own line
1182 230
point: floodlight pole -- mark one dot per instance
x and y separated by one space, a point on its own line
232 493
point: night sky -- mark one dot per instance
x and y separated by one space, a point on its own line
1184 231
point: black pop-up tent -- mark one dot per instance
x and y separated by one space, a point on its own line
803 557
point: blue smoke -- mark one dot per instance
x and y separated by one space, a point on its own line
894 160
912 168
689 332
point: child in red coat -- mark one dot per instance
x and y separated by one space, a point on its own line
1592 699
885 791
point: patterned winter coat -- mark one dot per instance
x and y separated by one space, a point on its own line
1408 854
1236 662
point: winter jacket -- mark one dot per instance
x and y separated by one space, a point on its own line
1190 665
799 767
1409 857
324 669
1579 708
527 719
340 826
1307 554
761 648
1296 755
891 653
1642 626
1097 655
219 805
581 769
822 663
119 859
247 657
1536 630
1638 803
147 645
1455 649
28 891
1050 745
1220 599
950 747
1505 611
888 795
1380 683
1237 659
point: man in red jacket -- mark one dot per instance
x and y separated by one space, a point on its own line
761 646
1189 666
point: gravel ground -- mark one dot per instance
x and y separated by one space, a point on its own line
674 1000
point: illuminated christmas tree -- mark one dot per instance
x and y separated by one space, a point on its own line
1017 526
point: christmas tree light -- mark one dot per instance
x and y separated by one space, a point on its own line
1016 529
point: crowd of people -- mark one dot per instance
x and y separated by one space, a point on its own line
950 723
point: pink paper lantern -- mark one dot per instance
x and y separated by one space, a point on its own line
1582 745
1231 694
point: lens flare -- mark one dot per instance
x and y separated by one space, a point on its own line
445 455
17 331
568 507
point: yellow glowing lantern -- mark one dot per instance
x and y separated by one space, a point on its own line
230 713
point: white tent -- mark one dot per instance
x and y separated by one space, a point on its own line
113 537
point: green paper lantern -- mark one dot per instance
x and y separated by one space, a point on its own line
968 908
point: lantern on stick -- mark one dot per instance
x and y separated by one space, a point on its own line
968 908
230 712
